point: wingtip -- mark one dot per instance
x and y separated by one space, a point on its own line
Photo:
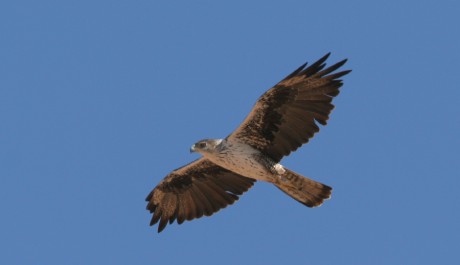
323 59
339 64
347 71
162 224
320 63
303 66
149 197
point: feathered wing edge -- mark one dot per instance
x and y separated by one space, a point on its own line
197 189
286 116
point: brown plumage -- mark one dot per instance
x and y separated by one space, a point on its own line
284 118
197 189
306 191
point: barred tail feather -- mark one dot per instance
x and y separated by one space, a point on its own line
306 191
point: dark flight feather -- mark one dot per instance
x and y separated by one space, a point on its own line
292 108
197 189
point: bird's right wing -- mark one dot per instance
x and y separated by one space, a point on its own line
197 189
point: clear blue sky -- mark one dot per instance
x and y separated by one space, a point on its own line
99 100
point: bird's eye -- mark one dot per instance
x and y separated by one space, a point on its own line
202 145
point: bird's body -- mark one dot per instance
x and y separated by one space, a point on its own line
242 159
281 121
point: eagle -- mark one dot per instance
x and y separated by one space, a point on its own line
282 119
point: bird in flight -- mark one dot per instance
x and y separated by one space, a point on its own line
283 118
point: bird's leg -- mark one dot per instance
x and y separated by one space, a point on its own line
279 171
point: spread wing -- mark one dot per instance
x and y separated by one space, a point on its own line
285 116
197 189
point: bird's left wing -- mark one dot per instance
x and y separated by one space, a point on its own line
197 189
285 116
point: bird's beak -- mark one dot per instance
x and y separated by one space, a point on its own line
192 149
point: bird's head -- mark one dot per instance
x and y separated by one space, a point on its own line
206 146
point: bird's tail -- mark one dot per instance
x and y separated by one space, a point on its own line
304 190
